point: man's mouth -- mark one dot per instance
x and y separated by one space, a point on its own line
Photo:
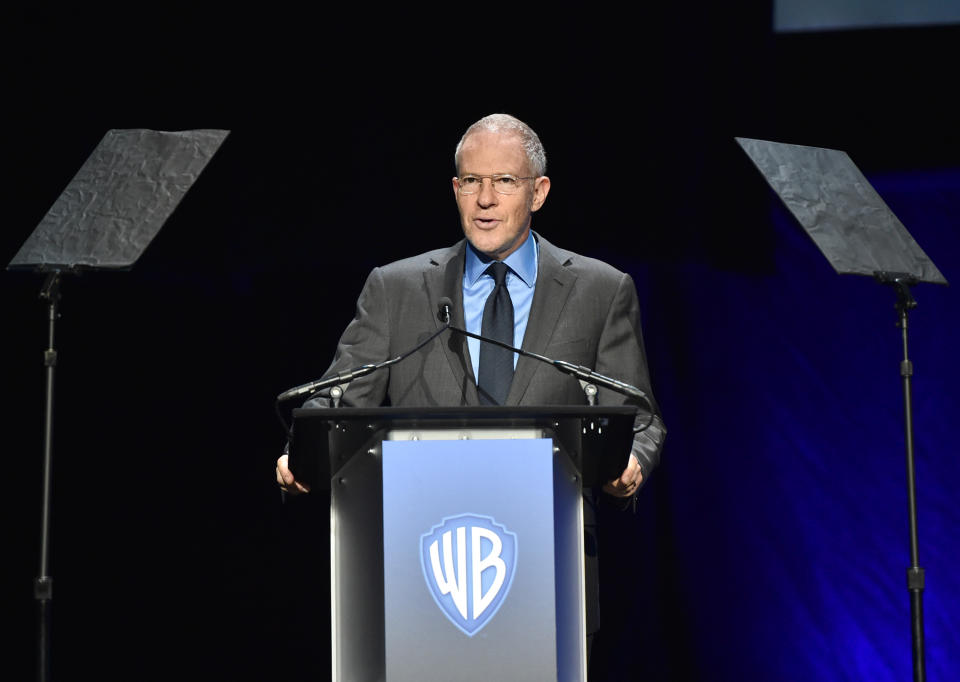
486 222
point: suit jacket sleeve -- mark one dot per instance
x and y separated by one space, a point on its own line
365 340
621 354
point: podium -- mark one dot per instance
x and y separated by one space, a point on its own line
456 535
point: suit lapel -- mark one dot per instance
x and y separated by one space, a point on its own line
554 283
446 279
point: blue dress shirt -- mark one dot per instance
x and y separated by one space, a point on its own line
477 285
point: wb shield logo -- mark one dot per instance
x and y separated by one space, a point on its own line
468 562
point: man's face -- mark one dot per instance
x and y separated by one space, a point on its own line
497 224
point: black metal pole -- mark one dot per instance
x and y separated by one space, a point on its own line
43 586
901 282
915 575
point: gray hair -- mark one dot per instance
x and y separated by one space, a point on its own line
505 123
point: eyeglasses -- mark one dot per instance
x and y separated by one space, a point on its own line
503 183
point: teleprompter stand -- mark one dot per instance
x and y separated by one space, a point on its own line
104 220
456 535
858 234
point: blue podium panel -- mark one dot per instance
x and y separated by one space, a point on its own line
470 588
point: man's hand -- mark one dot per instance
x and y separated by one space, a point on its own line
627 484
286 481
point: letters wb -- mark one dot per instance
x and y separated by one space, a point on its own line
468 562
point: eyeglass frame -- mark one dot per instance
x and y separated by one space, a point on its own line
493 179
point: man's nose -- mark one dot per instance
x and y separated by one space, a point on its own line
487 196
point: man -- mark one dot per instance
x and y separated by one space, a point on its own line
566 306
555 302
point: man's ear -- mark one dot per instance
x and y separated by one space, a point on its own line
541 188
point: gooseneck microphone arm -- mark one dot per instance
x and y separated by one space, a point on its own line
580 372
355 373
346 377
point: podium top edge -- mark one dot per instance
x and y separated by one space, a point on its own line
471 412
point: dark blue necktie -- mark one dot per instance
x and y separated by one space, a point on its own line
496 364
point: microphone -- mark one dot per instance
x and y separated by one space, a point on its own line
335 380
579 371
444 306
443 314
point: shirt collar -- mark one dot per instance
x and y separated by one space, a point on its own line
523 262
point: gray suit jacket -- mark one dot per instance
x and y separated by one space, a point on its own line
584 311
